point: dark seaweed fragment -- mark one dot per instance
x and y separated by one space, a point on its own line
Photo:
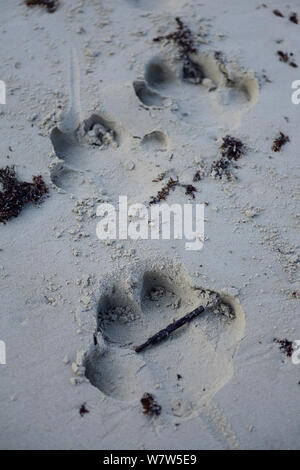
150 405
279 142
51 5
15 194
285 345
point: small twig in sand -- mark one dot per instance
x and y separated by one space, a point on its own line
163 334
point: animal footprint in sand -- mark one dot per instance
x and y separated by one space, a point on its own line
203 89
185 370
94 152
83 154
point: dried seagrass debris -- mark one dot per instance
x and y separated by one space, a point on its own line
51 5
170 185
285 57
183 39
160 177
278 13
83 410
165 191
279 142
189 190
15 194
294 18
150 405
232 149
285 345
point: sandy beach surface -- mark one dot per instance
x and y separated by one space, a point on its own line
100 110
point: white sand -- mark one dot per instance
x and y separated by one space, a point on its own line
96 60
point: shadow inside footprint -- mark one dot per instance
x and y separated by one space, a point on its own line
148 97
72 181
204 88
94 133
158 74
116 315
156 140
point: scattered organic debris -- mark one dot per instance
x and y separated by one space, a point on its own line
160 177
16 193
189 190
183 38
278 13
83 410
165 333
293 64
150 405
197 177
231 149
285 57
285 345
165 191
51 5
294 18
279 142
171 184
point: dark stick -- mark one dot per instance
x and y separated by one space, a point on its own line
162 334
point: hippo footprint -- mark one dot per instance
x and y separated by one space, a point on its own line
91 151
201 89
185 370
